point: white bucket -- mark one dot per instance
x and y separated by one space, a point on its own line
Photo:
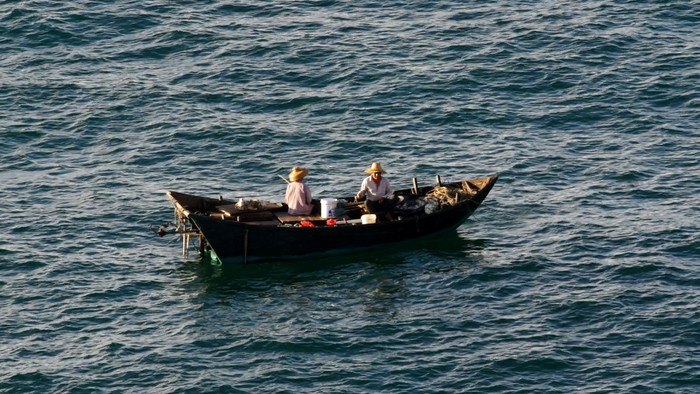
369 218
328 206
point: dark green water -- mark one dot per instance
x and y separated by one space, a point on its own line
578 274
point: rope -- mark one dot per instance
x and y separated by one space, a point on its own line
446 196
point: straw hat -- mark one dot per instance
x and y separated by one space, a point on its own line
298 174
376 167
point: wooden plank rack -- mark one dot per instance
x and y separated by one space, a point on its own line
285 218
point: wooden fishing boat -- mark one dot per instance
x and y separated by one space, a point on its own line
252 231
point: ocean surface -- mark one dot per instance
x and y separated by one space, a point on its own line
579 273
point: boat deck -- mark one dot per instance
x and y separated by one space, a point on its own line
285 217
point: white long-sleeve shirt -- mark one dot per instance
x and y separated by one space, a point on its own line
373 191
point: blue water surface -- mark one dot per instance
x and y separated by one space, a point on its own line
579 273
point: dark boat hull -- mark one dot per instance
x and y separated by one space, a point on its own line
241 242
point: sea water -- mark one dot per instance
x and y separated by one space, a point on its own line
579 273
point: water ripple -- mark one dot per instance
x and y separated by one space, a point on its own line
579 273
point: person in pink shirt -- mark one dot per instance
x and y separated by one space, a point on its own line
298 195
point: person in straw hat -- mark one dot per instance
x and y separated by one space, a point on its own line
298 195
377 190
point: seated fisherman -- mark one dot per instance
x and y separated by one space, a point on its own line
377 190
298 195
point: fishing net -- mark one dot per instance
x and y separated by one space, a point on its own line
440 197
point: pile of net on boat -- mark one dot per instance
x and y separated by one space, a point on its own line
250 204
439 198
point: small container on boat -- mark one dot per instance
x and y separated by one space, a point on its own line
328 206
369 218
